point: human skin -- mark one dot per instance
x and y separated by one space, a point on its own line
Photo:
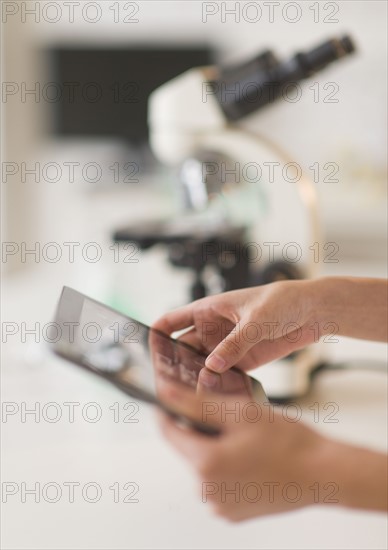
253 326
272 465
275 450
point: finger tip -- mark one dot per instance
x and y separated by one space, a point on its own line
216 363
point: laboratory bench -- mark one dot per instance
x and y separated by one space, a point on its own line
104 475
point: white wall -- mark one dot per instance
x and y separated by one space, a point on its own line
351 133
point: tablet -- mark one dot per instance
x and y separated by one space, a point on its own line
141 361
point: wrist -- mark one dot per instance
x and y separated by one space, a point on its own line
323 303
357 476
315 300
321 477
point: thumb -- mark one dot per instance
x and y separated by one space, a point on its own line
230 350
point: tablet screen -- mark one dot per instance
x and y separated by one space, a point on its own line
133 355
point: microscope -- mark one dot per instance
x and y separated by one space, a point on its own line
238 228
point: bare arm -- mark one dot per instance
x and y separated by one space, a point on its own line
275 451
361 475
250 327
359 306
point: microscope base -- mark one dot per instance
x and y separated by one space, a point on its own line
290 378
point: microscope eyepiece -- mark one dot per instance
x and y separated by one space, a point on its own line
319 57
247 87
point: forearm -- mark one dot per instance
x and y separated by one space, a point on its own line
360 474
357 306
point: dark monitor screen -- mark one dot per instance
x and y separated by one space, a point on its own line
105 91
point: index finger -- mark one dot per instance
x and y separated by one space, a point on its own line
175 320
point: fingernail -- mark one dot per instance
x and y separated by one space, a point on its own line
208 378
215 362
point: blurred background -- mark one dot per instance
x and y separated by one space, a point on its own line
77 167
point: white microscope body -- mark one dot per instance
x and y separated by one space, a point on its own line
187 120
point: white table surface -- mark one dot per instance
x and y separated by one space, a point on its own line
169 513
